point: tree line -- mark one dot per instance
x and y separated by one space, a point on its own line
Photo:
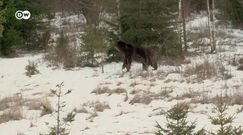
160 23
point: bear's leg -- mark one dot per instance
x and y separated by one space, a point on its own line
145 66
155 65
124 63
129 63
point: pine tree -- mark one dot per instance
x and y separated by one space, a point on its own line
224 121
21 33
232 10
149 22
95 35
60 127
177 123
94 43
2 19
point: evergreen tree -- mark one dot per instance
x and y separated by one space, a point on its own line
224 121
94 43
233 10
177 124
149 22
2 19
21 33
95 35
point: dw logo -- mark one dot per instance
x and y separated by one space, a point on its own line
22 14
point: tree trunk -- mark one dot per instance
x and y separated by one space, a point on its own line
118 16
184 25
211 24
179 24
58 114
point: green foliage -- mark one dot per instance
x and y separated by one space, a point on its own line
9 41
62 54
94 43
31 69
177 124
20 33
232 10
224 121
236 11
144 21
113 55
60 127
62 131
2 18
149 22
171 46
70 117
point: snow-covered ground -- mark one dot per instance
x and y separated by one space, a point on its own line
132 101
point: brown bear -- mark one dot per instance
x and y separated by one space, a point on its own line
145 55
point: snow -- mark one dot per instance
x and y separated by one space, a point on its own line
122 117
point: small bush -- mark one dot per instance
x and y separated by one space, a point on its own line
207 70
46 108
12 114
100 107
113 55
106 90
177 123
101 90
31 69
224 121
63 54
11 108
144 98
235 99
11 102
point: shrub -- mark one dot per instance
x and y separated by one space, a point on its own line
113 55
224 121
207 70
31 69
177 124
62 54
60 127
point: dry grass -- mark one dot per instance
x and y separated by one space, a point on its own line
141 98
46 107
81 110
97 106
133 84
101 90
101 106
204 70
67 56
11 102
33 104
11 114
207 70
12 107
92 116
189 94
235 99
145 97
107 90
175 61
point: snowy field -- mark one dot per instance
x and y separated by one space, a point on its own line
120 103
